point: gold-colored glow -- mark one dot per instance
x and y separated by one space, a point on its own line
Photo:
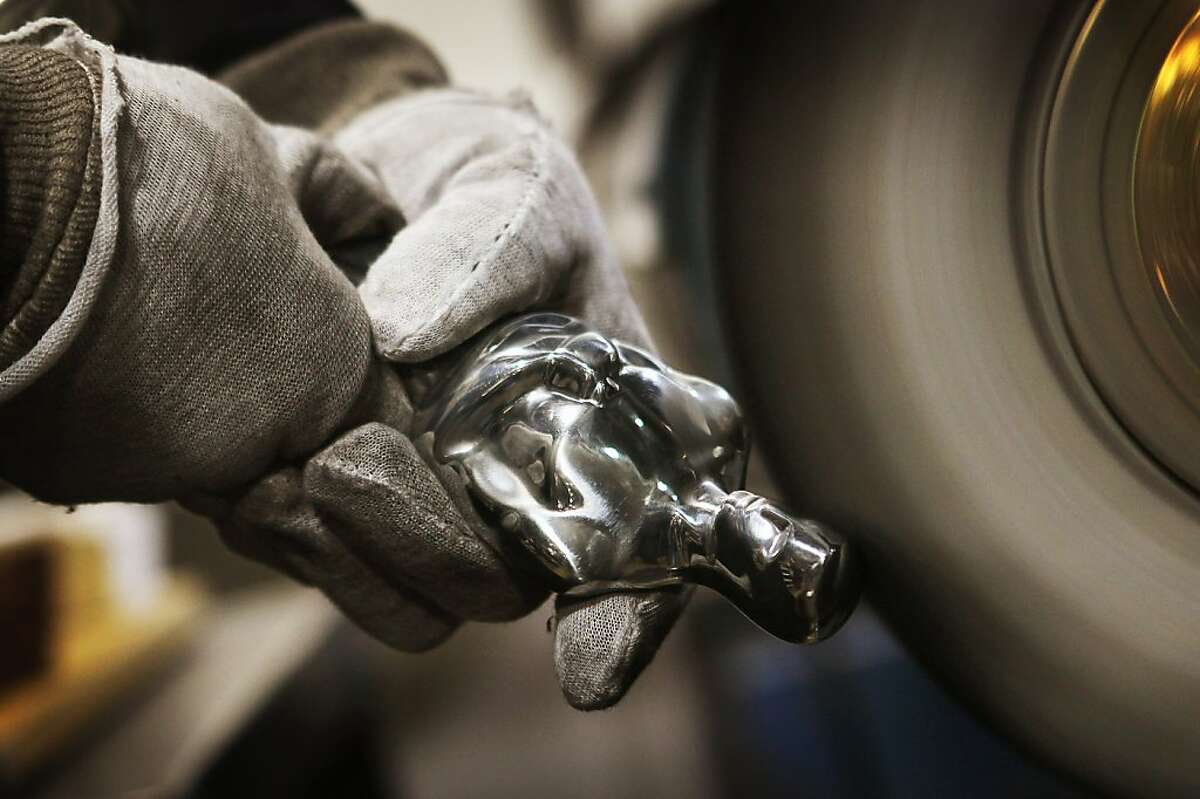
1166 185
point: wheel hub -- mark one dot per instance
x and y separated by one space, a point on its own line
1122 220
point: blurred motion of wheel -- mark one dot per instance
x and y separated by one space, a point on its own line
960 254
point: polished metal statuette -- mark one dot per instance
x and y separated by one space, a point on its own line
616 473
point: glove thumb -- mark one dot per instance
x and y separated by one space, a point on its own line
601 644
499 217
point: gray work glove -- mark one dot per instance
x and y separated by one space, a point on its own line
500 220
209 346
208 337
209 340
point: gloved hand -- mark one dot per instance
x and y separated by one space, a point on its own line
500 220
204 337
209 339
207 336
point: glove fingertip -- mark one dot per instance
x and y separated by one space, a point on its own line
275 524
414 325
602 644
407 342
385 502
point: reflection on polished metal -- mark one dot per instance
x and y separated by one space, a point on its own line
1166 191
1119 222
618 473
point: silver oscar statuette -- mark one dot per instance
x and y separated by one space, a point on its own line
616 473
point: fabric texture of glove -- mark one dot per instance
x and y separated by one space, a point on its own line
323 77
49 158
500 220
209 336
208 339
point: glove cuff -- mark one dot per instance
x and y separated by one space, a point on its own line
50 179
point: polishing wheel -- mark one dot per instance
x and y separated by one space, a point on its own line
959 258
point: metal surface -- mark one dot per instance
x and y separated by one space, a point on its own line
895 222
1132 340
616 472
1166 185
1167 181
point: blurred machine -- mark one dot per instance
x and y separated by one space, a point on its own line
957 269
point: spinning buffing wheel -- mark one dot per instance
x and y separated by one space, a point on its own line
959 254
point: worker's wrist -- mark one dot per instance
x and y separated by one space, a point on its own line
49 189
